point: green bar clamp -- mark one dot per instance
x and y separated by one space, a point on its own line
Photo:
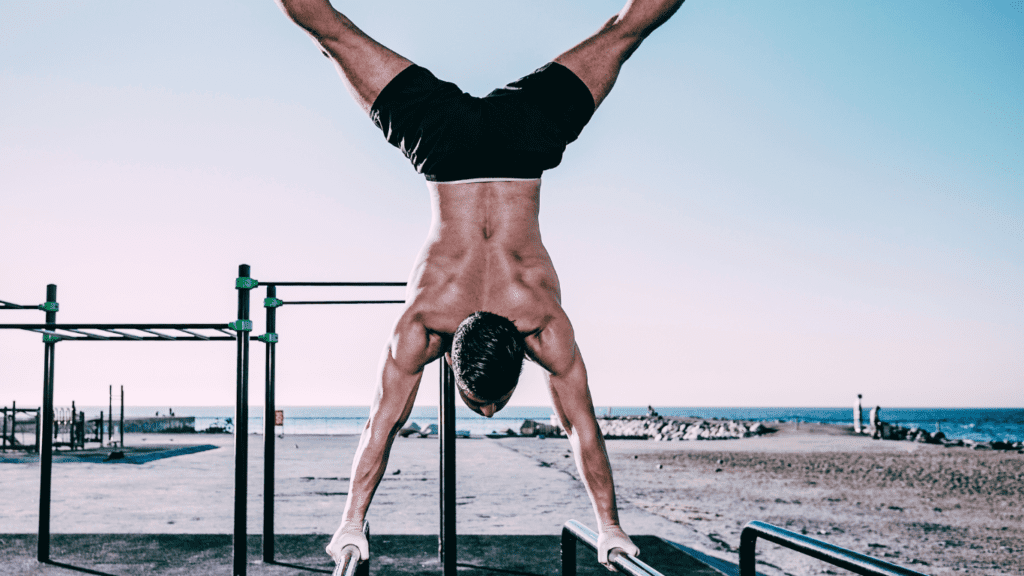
269 338
49 307
241 325
272 302
51 338
246 283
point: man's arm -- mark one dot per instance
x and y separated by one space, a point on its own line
555 349
402 364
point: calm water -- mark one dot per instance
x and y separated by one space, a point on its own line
980 424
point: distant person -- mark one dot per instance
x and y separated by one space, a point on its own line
876 424
483 291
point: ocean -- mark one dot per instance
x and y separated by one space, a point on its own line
980 424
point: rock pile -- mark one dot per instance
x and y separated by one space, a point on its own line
669 429
886 431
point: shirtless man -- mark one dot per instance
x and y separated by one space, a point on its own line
483 285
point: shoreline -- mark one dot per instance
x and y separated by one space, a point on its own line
934 509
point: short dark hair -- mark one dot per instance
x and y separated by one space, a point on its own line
487 355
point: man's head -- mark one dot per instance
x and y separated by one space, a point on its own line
487 358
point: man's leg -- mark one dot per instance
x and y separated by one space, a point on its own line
366 66
597 59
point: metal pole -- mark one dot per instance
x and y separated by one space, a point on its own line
110 413
241 428
121 425
46 450
269 419
447 545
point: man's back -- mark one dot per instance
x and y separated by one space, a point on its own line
484 252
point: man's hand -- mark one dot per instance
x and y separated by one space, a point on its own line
610 543
349 534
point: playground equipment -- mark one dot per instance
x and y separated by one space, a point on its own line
841 557
238 331
54 333
272 303
68 428
16 433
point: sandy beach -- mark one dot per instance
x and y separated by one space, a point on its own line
934 509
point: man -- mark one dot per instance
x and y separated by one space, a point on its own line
483 284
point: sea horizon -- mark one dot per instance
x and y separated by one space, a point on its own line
980 424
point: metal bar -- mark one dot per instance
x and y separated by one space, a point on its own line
127 335
447 543
164 336
350 564
55 326
52 333
241 430
847 559
290 303
573 530
121 425
12 306
333 283
46 436
87 334
568 553
200 336
269 420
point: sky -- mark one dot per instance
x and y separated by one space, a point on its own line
779 204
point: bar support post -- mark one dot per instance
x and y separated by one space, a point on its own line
46 436
241 429
447 546
269 421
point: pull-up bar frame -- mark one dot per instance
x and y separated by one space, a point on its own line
272 303
238 331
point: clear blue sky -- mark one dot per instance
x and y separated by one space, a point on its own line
780 204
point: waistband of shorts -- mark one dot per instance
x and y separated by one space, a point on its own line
488 179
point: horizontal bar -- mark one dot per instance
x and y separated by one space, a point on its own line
87 334
624 562
349 562
165 336
125 334
346 302
115 326
194 334
125 337
841 557
12 306
262 283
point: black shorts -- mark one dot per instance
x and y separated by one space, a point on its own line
514 132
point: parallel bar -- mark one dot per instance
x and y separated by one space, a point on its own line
447 544
350 564
197 335
125 334
332 283
55 326
290 303
241 430
573 530
88 334
269 418
46 437
4 305
847 559
164 336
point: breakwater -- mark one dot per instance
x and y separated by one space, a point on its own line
659 428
